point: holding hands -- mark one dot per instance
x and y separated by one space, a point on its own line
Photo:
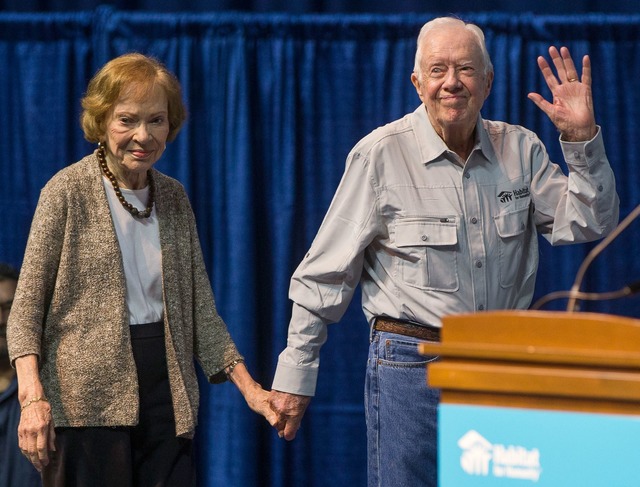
255 396
282 410
571 110
290 409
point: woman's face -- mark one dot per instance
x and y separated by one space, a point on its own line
137 131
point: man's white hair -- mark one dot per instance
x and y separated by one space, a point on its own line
441 22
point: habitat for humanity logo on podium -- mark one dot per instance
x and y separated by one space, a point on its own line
481 457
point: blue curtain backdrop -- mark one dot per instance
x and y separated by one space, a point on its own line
331 6
276 102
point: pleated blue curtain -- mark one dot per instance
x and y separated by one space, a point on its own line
44 66
276 103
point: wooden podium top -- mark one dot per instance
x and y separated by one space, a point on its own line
541 359
541 336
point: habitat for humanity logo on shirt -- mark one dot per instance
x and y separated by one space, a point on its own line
516 194
481 457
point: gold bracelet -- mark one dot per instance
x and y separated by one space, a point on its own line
231 367
31 401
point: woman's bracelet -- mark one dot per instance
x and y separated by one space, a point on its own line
31 401
231 367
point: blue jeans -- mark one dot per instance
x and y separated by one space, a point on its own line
401 413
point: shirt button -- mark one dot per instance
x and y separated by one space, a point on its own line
481 307
424 238
467 175
474 220
478 264
589 153
576 155
600 188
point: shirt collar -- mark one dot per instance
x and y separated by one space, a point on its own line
430 144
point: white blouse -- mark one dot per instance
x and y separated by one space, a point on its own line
139 240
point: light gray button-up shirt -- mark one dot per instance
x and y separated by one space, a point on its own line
427 235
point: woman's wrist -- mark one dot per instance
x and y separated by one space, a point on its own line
28 403
29 385
231 367
241 378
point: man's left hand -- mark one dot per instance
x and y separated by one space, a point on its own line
572 107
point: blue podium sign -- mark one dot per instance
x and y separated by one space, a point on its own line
512 447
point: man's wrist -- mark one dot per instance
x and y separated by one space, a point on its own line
295 380
579 135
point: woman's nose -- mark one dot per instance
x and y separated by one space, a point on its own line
142 132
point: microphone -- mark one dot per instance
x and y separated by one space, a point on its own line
623 292
574 294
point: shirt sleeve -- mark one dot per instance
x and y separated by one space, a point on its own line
323 284
583 206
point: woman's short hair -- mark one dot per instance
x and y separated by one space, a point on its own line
129 71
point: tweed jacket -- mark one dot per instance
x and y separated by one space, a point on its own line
70 304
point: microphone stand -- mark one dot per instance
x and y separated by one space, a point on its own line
626 291
574 293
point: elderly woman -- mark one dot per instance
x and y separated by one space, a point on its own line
114 301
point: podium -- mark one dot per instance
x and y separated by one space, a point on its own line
537 397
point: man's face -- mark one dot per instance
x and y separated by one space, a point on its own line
452 83
7 290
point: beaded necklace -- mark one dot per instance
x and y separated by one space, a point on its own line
146 213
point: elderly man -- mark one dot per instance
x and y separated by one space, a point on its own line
438 213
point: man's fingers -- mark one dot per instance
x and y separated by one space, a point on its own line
291 428
290 409
547 73
272 418
586 70
288 428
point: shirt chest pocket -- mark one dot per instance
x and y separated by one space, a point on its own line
517 247
427 249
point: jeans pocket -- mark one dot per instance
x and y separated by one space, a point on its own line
401 351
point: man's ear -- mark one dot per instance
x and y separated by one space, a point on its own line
416 83
489 85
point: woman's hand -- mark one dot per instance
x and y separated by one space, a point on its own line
258 401
36 436
256 397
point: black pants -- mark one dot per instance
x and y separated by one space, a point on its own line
146 455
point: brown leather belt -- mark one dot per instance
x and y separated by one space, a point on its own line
415 330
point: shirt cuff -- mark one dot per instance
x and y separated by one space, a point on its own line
585 153
295 380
